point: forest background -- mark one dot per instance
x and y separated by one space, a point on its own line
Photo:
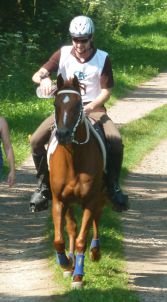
132 32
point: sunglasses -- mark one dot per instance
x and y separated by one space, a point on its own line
80 41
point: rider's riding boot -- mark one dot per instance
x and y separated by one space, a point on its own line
115 194
39 199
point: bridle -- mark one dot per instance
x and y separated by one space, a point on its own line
81 118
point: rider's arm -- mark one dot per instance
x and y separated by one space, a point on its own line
4 130
42 76
106 82
99 101
48 68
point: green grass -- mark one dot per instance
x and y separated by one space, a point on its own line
139 52
106 279
23 118
141 136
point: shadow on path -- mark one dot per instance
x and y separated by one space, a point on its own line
23 247
145 229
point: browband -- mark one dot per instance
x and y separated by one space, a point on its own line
68 91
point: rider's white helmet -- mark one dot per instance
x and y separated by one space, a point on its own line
81 26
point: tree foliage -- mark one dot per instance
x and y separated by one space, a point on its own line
32 29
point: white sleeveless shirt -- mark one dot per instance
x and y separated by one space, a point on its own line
88 73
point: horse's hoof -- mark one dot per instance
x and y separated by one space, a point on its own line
95 254
67 274
77 284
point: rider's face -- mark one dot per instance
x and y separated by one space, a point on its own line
81 45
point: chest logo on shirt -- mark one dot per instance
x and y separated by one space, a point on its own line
80 75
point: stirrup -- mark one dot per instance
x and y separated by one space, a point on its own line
118 199
38 202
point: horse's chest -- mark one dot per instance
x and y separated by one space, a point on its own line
77 188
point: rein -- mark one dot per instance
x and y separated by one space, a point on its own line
87 130
81 118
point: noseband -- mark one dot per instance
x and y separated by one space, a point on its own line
81 118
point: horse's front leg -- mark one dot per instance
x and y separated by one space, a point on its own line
94 252
71 227
81 248
58 213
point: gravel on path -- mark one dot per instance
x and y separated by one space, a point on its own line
145 227
25 274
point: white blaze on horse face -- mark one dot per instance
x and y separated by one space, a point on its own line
66 99
65 118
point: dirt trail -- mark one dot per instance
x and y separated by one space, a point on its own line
25 275
147 97
145 224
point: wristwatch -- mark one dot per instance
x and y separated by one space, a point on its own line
44 76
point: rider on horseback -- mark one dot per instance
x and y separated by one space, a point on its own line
93 69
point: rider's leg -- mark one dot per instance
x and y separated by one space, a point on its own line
114 165
39 199
114 161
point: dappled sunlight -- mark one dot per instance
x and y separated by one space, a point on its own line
23 246
145 224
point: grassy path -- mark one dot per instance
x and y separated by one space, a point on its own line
23 259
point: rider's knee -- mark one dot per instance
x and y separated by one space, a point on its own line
35 144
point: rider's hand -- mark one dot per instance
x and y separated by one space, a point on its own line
88 108
46 86
11 178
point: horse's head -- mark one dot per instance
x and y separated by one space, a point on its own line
68 109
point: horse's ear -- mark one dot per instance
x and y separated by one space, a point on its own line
76 83
60 81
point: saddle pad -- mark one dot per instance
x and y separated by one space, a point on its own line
51 148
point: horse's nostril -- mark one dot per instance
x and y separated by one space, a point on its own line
63 134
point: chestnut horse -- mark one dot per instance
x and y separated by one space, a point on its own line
76 177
